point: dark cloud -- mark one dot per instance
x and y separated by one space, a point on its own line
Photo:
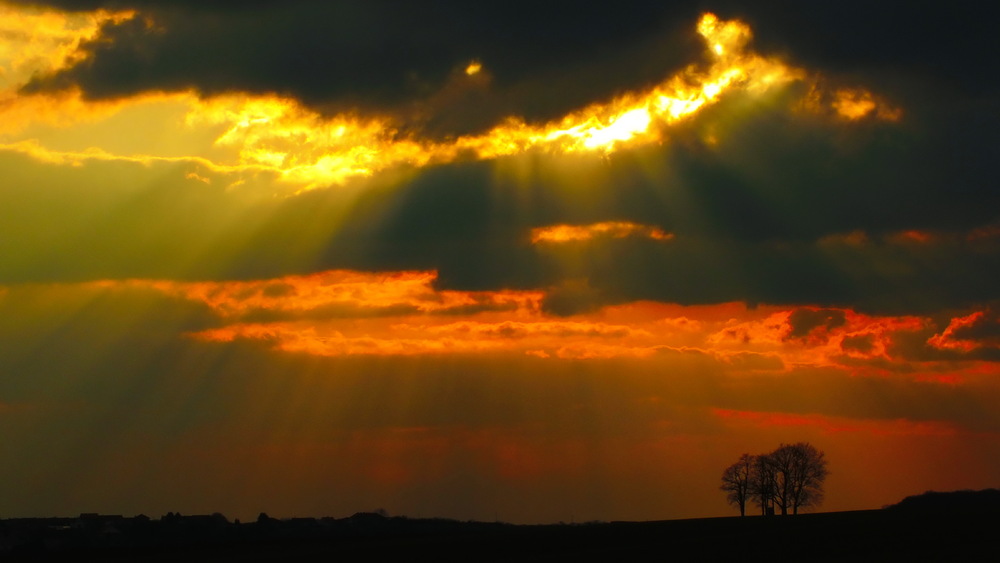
925 345
862 343
983 330
541 59
197 5
804 321
391 56
321 50
572 297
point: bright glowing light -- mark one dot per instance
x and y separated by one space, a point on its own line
473 68
612 229
621 128
640 117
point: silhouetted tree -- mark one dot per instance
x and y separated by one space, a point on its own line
736 482
762 483
790 477
801 470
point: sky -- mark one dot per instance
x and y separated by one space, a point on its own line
529 261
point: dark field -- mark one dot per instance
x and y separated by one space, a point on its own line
874 535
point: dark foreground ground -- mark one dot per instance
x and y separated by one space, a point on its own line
873 535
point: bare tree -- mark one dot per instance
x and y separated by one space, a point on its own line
789 478
798 472
781 463
736 482
762 483
808 471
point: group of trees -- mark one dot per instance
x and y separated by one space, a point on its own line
789 478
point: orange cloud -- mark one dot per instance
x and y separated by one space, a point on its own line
820 342
359 313
517 330
347 290
307 339
404 318
608 229
356 313
912 236
562 339
848 104
349 313
855 104
965 334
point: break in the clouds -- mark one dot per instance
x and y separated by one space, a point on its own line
521 262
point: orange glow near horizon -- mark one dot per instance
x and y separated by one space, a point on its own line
833 425
280 136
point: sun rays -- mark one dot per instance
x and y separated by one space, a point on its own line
460 280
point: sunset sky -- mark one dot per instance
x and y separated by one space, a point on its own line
533 261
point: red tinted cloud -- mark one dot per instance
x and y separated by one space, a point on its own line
980 329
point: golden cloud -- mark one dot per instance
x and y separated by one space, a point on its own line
37 41
306 150
608 229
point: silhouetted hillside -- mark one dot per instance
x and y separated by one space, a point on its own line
978 502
